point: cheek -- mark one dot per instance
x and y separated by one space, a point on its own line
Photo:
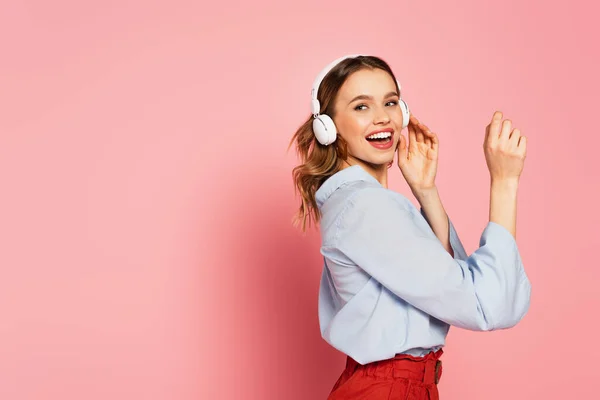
360 125
397 117
353 128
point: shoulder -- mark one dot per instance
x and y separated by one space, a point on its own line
375 200
362 205
372 208
374 216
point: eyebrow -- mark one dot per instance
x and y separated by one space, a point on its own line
366 97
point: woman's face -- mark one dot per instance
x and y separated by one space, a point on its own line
367 103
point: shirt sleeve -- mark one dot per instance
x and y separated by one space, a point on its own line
486 291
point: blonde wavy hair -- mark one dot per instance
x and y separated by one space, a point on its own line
319 162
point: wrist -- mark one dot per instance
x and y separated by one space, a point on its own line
425 194
511 184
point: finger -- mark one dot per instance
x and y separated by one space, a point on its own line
423 126
428 133
412 138
434 138
419 131
522 146
402 151
434 141
493 129
497 116
403 143
505 131
420 135
514 138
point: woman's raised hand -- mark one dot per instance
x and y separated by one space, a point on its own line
418 158
505 149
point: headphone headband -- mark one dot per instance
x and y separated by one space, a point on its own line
315 105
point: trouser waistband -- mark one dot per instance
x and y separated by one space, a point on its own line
426 369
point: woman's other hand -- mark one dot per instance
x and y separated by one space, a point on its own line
418 158
505 149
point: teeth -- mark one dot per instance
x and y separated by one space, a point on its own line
380 135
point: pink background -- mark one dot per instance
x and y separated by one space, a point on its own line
146 250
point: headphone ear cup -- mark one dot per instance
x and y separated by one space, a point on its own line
324 129
405 113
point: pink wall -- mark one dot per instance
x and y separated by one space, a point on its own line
136 263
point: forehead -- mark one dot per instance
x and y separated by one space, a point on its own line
372 82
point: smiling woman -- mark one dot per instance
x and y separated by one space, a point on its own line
396 278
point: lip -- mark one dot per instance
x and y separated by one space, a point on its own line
382 146
380 130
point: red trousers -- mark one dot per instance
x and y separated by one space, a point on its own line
399 378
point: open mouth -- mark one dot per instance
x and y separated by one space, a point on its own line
381 140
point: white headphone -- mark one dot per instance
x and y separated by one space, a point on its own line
323 126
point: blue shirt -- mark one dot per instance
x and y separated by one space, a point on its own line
388 284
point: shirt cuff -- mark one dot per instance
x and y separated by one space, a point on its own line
502 236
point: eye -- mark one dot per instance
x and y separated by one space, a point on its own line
358 107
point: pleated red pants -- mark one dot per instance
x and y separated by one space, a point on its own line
400 378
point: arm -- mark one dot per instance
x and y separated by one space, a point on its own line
489 290
435 215
441 225
503 203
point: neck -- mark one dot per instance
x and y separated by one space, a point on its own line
379 172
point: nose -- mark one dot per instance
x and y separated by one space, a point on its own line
381 116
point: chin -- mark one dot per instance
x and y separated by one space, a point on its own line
382 161
374 159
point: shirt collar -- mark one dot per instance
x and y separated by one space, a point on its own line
341 178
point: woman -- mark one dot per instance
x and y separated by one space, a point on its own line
395 278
